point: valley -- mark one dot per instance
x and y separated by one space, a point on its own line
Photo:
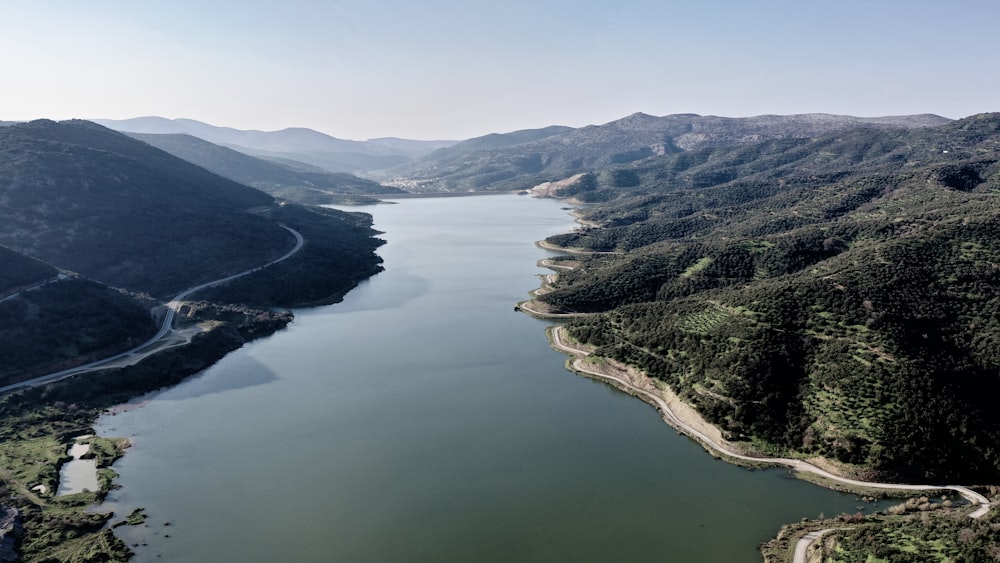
818 290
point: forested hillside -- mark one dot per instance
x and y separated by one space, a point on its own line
836 296
99 229
97 202
340 253
522 159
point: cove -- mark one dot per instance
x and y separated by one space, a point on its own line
423 419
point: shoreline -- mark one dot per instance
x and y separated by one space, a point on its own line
107 387
428 195
684 418
570 250
151 346
687 421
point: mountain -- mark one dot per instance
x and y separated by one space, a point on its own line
522 159
88 199
275 178
94 222
835 296
408 147
297 143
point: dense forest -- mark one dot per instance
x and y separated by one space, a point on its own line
317 274
65 323
835 296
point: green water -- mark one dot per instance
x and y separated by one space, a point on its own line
422 419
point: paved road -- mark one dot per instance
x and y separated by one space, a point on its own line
166 325
796 464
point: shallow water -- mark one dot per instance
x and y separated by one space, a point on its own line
78 475
422 419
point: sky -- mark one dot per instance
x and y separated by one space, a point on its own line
440 69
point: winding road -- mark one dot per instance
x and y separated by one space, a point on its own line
166 325
795 464
802 547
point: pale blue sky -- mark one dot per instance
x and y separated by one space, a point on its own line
457 69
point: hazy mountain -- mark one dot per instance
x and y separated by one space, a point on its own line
519 159
409 147
296 143
276 178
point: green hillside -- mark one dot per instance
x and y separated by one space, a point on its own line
836 296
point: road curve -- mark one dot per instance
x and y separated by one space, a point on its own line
165 326
795 464
802 546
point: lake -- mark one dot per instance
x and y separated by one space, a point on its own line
423 419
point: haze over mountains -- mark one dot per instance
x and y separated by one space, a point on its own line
297 143
296 182
516 160
509 161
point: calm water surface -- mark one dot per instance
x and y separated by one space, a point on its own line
422 419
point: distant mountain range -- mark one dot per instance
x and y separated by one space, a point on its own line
288 180
297 143
499 161
516 160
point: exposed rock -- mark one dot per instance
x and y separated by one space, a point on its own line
10 532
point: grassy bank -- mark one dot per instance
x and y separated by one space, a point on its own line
38 424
